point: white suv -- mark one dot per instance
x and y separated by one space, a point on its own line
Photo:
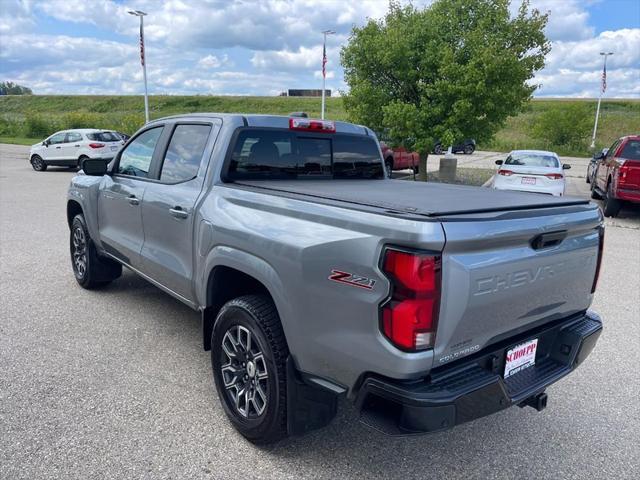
70 147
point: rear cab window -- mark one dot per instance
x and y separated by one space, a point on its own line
261 153
631 150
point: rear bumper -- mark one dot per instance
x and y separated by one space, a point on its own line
628 195
473 387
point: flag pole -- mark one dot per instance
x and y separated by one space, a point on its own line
324 69
141 14
603 87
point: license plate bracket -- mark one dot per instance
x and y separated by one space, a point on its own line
528 180
520 357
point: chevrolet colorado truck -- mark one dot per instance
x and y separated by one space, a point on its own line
315 280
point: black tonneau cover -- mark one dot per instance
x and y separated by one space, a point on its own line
418 198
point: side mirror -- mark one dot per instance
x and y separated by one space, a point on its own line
94 167
46 143
566 166
499 162
599 156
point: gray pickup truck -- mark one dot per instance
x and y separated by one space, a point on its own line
427 305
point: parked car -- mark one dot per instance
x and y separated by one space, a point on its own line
69 148
399 158
124 136
617 177
426 305
535 171
593 163
467 147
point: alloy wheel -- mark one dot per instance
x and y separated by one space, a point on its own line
244 372
79 251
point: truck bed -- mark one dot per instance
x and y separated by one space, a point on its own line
418 198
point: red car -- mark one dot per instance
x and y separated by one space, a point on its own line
399 158
617 177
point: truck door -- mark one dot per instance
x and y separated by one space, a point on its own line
121 195
169 206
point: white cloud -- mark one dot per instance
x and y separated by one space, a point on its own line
212 61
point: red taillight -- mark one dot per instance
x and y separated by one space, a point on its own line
506 173
96 145
622 172
309 125
410 316
554 176
599 259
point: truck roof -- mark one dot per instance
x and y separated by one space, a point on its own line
268 121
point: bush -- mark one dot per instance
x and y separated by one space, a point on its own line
82 120
129 124
37 126
564 125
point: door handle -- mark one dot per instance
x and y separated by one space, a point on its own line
178 212
76 145
133 200
58 147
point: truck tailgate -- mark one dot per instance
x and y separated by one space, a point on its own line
503 276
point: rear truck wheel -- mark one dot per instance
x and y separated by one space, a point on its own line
90 270
248 356
38 164
438 149
611 206
388 166
469 149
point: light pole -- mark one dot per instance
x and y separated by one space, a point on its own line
141 14
324 63
603 87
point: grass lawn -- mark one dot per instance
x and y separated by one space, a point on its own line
19 140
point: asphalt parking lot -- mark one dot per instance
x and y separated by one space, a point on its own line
115 384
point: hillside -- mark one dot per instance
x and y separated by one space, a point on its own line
26 119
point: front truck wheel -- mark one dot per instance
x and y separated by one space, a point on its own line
248 356
90 270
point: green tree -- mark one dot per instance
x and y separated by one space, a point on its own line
455 69
564 126
10 88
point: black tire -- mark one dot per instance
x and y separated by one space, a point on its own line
38 164
438 149
257 315
587 178
82 159
469 149
90 270
388 166
610 206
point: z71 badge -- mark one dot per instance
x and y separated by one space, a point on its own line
352 279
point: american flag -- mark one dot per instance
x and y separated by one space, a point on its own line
324 61
604 78
141 45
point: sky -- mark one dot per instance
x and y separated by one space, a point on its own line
264 47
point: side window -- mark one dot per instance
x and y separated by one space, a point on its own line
136 158
57 138
74 137
612 150
184 153
631 150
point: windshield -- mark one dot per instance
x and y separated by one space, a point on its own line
532 160
104 137
283 154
